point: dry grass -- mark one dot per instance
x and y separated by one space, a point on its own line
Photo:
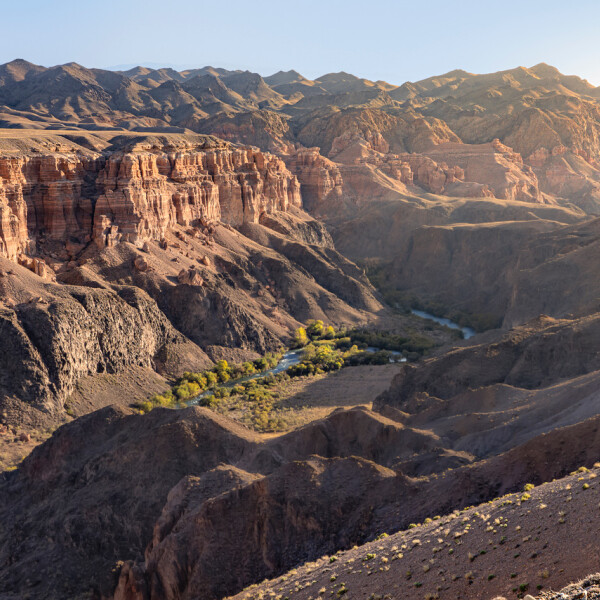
505 547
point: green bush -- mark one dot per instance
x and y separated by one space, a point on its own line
315 329
300 338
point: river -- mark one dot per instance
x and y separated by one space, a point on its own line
290 358
467 331
293 357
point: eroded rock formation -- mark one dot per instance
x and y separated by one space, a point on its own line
135 196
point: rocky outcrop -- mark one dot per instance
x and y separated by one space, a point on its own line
494 165
568 173
44 195
530 356
146 194
157 215
122 467
588 588
135 196
71 332
319 177
326 507
190 277
362 170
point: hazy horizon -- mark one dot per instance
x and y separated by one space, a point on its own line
391 41
185 67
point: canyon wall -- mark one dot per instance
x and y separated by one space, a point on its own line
135 196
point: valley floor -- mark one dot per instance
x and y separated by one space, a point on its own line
301 400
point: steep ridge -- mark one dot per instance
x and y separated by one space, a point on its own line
121 469
54 335
537 354
511 547
523 268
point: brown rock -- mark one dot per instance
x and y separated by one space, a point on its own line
145 194
141 264
190 277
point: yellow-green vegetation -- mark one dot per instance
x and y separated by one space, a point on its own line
254 402
190 385
411 346
320 358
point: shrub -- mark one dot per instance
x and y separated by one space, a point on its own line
329 333
211 378
300 338
248 368
315 329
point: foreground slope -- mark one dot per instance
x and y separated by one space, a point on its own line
265 504
518 544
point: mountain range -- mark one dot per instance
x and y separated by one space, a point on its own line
155 223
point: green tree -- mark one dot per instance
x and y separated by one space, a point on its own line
248 368
261 364
315 329
223 371
329 333
211 378
300 337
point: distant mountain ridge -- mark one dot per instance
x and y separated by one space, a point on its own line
476 108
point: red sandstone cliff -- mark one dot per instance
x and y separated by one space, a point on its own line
135 196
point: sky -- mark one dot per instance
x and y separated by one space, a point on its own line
376 39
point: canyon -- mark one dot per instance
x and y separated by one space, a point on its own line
156 222
161 255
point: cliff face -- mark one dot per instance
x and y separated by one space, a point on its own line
135 196
319 177
361 168
73 332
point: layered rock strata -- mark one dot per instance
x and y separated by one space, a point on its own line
135 196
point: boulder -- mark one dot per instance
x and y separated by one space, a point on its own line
141 264
190 277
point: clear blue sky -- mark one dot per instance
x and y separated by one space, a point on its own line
377 39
